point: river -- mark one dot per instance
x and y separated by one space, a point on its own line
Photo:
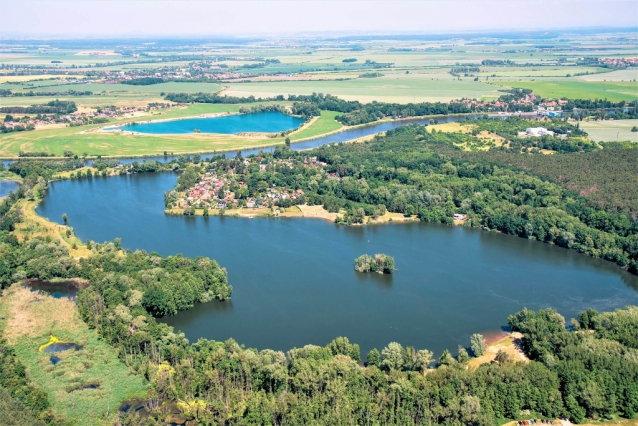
294 282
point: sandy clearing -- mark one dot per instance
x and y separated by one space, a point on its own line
512 344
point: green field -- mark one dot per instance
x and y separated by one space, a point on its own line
391 88
611 130
540 71
574 89
324 124
153 89
413 71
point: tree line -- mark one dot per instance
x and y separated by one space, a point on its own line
52 107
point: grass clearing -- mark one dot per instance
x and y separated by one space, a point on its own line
326 123
94 142
34 225
31 319
611 130
511 345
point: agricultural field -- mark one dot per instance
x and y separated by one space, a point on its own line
575 89
127 89
417 70
611 130
619 75
389 88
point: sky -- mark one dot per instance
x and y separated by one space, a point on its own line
115 18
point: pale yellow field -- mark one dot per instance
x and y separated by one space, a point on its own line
21 78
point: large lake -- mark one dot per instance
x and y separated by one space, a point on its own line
267 122
294 282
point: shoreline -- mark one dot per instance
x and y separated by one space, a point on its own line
305 212
115 127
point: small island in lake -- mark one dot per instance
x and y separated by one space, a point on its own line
380 263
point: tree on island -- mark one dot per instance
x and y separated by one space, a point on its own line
380 263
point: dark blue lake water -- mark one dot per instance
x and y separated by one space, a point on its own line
267 122
294 282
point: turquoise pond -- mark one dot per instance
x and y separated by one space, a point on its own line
266 122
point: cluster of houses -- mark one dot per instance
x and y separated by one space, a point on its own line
213 72
619 62
528 99
213 190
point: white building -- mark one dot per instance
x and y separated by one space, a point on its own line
538 131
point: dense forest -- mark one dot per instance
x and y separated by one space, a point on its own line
607 178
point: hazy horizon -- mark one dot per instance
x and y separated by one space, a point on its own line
192 18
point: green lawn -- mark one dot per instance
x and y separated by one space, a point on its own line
324 124
574 89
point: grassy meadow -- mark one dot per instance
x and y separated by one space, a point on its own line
326 123
31 318
390 88
611 130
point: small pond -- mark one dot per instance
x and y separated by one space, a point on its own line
56 289
6 186
60 347
262 122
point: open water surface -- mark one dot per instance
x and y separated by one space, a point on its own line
294 282
267 122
